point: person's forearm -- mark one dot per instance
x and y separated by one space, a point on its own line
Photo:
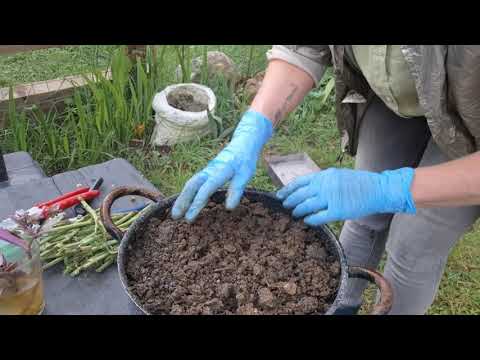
455 183
283 89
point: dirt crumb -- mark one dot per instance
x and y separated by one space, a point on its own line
266 298
290 288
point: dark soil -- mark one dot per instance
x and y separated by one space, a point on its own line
185 102
248 261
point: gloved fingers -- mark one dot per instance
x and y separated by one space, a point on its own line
294 185
321 218
236 189
309 206
298 196
207 189
184 200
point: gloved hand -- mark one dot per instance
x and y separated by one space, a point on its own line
236 163
343 194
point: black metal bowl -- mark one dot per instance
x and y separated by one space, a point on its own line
161 210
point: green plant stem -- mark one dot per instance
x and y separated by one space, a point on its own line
250 59
52 263
92 213
106 264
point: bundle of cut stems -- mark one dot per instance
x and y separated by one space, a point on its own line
84 243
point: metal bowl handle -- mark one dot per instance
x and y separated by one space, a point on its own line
386 293
119 192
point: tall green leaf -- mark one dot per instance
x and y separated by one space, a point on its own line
328 90
204 75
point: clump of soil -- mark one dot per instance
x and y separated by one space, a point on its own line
186 102
247 261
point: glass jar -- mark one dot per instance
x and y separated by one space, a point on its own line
21 289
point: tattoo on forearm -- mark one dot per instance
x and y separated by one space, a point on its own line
286 104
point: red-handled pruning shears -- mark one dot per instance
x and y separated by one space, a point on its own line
51 208
68 200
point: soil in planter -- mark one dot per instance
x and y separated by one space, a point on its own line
185 102
247 261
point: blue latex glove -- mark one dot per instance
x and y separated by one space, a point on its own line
236 163
343 194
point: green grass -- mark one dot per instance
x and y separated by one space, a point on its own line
52 63
100 121
460 287
311 128
459 291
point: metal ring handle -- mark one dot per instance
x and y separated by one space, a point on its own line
386 291
119 192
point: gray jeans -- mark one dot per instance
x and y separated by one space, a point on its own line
418 245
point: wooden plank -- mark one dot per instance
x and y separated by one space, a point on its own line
13 49
44 94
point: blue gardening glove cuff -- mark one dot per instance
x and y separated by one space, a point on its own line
254 126
398 197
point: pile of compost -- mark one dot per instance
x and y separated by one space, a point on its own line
252 260
186 102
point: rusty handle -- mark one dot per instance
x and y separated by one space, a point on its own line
119 192
386 293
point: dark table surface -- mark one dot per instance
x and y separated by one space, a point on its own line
89 293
